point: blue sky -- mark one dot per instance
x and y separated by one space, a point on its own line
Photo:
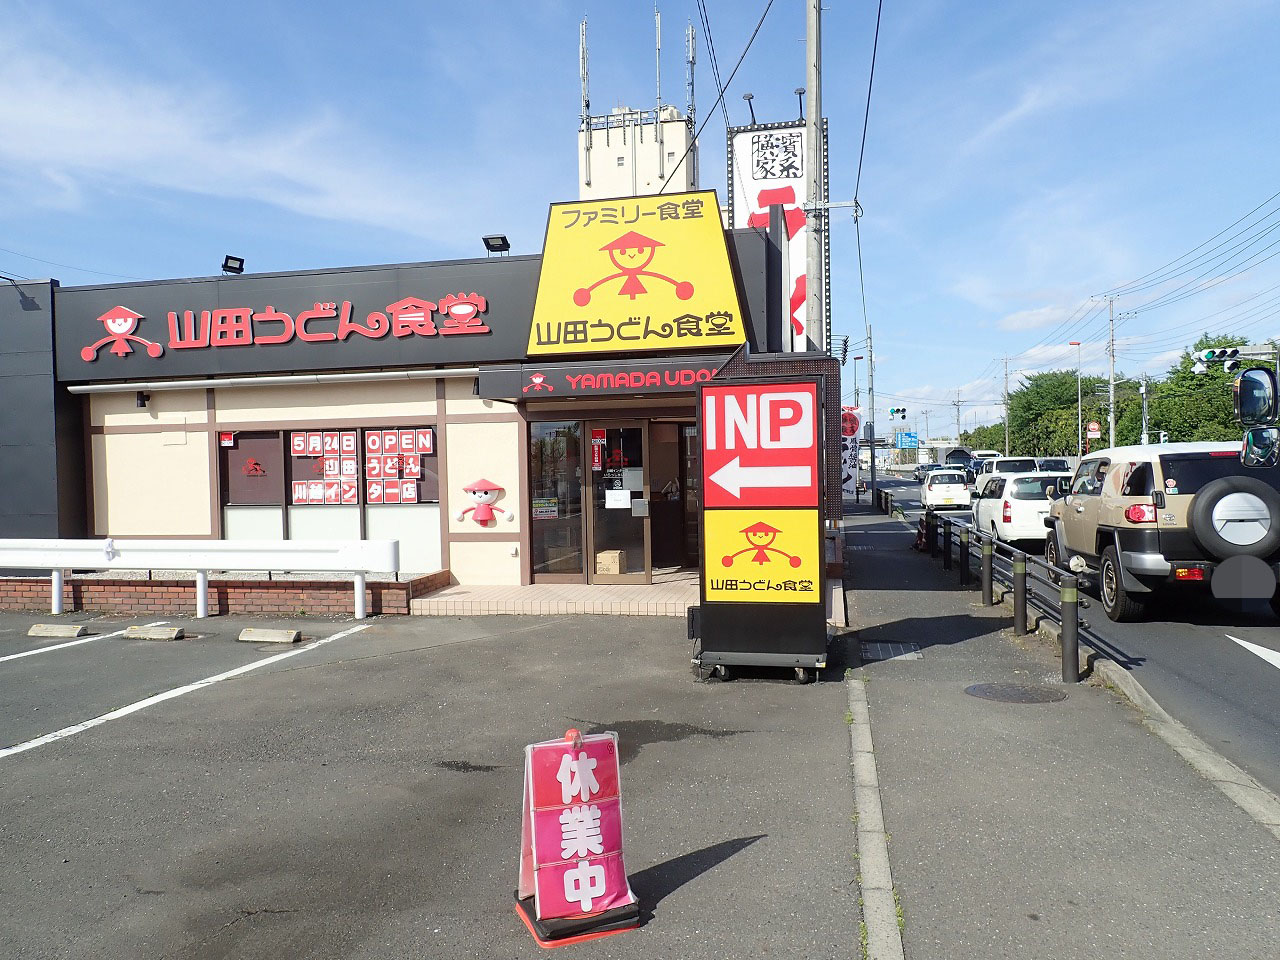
1021 156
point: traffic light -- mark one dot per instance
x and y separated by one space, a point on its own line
1229 357
898 412
844 351
1164 436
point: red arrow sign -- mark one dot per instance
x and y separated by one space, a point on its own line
760 445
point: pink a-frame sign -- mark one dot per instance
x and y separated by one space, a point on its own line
571 827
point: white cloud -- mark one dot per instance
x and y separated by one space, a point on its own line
75 128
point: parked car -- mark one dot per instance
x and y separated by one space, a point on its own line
924 468
1142 519
1014 506
944 488
1053 465
994 465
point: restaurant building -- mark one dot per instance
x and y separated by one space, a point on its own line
509 420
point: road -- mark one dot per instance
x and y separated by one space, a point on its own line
1191 656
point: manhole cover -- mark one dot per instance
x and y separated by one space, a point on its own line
1015 692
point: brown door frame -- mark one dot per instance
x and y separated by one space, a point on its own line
589 509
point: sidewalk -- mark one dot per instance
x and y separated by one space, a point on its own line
1058 830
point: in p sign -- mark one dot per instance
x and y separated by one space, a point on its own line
760 445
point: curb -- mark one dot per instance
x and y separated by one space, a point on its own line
875 881
1244 791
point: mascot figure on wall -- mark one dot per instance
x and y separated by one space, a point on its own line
483 494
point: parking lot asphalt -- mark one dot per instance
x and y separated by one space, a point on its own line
362 798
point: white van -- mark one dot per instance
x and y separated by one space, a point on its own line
986 454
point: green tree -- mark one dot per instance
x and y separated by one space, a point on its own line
990 437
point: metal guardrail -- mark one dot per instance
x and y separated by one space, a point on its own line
358 557
999 562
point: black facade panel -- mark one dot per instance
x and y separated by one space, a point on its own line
28 459
748 258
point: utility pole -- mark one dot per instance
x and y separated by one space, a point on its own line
1143 389
1111 378
956 404
815 287
1006 406
871 406
926 425
1079 404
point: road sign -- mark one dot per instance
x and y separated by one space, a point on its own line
906 441
1093 430
760 445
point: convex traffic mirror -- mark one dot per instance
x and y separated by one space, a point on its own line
1255 398
1261 447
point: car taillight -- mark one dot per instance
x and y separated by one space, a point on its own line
1141 513
1007 514
1189 573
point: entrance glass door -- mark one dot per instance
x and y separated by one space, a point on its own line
619 512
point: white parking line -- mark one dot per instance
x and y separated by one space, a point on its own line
1266 653
73 643
174 693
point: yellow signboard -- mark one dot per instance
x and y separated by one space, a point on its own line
762 556
635 274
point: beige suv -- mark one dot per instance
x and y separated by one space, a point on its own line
1141 518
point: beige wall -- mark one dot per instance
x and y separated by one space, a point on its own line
164 407
411 399
150 484
484 562
459 398
490 451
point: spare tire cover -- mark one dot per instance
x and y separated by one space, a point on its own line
1236 516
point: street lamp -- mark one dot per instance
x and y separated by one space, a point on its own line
1079 404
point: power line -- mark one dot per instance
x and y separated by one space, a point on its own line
1120 289
866 116
720 98
1206 257
68 266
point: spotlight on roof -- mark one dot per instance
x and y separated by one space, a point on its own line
232 264
496 243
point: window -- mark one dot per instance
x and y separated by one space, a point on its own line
1186 473
252 469
555 491
622 161
1035 488
1024 465
993 488
1139 480
1089 478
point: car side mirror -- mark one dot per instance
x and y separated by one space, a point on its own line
1261 447
1254 394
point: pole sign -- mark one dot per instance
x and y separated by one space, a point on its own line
1094 430
760 445
761 531
571 829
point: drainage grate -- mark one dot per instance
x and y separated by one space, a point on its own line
1015 693
873 650
861 547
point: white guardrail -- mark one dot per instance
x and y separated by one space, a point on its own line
358 557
